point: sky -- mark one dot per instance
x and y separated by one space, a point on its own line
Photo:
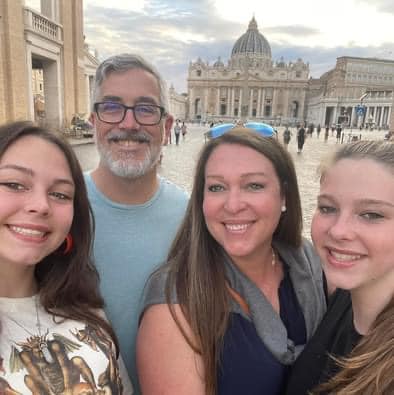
171 33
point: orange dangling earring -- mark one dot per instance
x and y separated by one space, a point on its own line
69 244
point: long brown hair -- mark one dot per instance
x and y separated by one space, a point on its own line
195 261
369 368
68 284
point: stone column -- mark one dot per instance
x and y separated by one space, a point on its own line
192 114
262 102
258 111
230 102
390 117
218 100
251 93
14 83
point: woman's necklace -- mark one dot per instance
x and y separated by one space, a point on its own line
273 261
39 341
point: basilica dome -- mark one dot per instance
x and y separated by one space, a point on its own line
252 42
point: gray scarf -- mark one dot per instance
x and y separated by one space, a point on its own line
307 280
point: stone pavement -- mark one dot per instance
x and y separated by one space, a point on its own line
178 161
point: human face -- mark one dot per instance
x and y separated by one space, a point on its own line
127 148
242 201
36 194
353 226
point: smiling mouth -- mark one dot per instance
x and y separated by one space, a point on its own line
27 232
237 228
129 140
340 257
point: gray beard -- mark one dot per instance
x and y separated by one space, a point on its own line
128 167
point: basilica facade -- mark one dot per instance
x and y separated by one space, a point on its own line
250 86
357 92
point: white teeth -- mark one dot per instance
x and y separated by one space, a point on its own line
344 257
27 232
236 227
126 143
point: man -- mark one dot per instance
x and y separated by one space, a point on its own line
137 213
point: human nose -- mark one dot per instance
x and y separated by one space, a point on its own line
129 121
342 228
234 201
38 202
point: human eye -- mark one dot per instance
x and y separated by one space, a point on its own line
371 216
14 186
110 107
146 109
326 209
215 188
255 186
61 196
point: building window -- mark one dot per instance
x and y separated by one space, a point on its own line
198 72
298 74
254 112
235 112
223 109
267 111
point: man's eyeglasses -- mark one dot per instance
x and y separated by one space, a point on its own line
144 114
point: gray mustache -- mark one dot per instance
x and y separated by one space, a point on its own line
139 137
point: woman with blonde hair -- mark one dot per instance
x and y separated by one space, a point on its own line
352 352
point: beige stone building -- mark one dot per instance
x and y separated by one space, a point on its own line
358 91
177 103
250 86
46 47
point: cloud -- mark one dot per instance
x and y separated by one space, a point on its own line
380 5
292 30
172 33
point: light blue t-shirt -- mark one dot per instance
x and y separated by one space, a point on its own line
130 242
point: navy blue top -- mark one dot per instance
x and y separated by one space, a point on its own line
246 365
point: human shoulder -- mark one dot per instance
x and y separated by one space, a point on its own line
173 191
159 371
155 289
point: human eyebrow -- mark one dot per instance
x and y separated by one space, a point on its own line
18 168
30 173
366 202
214 176
324 196
146 99
64 181
253 174
111 98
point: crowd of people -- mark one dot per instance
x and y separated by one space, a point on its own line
117 281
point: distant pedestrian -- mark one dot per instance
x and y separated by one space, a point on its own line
286 137
300 138
177 131
339 132
318 130
326 133
184 130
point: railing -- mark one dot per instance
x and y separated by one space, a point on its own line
38 23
